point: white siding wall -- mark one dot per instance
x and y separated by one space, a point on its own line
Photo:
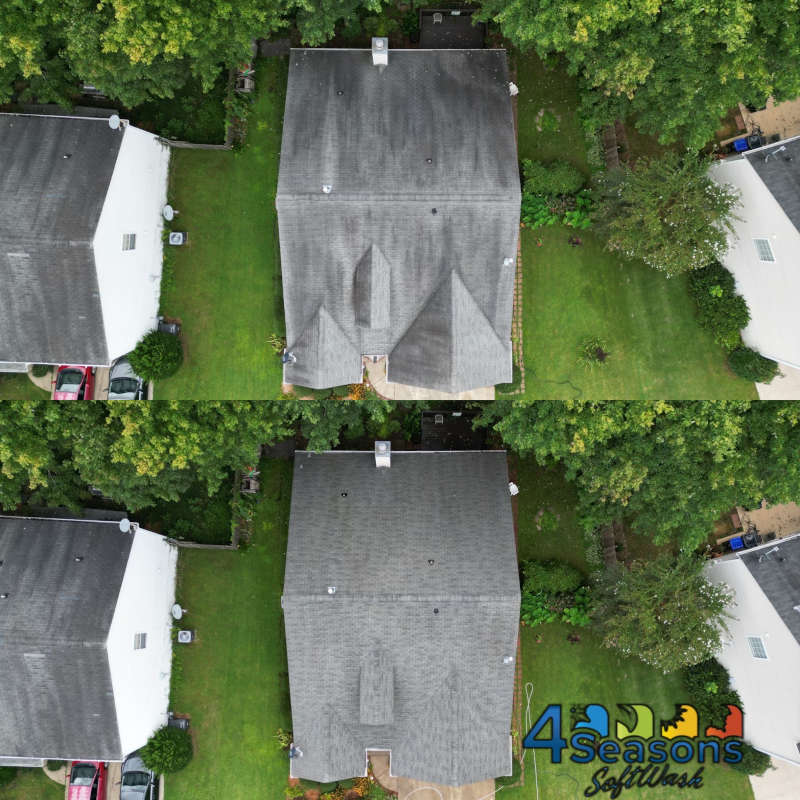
130 281
141 677
771 290
770 689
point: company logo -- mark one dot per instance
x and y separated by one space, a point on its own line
635 742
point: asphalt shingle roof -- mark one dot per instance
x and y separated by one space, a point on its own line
405 655
778 575
54 175
422 164
780 171
56 694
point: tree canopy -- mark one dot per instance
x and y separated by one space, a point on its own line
671 469
674 66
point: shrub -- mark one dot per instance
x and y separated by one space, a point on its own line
752 366
53 765
551 577
7 774
168 750
551 180
535 609
283 738
579 613
593 352
158 355
708 687
719 308
753 762
40 370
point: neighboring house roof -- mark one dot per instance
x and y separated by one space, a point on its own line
778 166
405 655
54 175
56 693
420 158
778 576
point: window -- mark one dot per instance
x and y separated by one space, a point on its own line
764 250
140 641
128 241
757 649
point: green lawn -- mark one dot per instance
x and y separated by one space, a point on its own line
647 321
227 284
16 386
586 672
32 784
233 680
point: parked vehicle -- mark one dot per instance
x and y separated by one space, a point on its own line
138 782
123 382
87 781
74 383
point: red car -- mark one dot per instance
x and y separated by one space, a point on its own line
87 781
74 383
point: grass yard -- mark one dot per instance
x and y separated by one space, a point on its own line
570 294
585 672
32 784
17 386
233 680
227 285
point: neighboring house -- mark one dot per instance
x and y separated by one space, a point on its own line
398 210
401 607
764 254
85 628
80 238
762 652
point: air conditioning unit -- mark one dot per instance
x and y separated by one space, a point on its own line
185 637
178 237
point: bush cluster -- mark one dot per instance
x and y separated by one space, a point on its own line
753 762
551 180
719 308
553 192
168 750
553 590
40 370
752 366
708 687
158 355
7 774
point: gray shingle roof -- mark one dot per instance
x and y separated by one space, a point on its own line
373 251
780 172
778 575
49 208
405 655
56 694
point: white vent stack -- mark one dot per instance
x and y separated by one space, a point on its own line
380 51
383 454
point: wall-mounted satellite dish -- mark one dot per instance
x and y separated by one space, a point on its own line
169 212
113 122
125 525
177 611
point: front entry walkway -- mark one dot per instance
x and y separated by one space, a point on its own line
399 391
408 789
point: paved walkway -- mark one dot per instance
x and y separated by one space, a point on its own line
408 789
45 383
781 783
783 387
400 391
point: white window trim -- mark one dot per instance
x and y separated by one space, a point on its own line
763 647
126 240
140 641
769 245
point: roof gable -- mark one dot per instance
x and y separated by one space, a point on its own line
372 290
778 166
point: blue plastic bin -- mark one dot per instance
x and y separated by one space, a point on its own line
737 543
740 145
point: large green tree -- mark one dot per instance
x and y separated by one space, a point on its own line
664 611
671 469
668 212
675 66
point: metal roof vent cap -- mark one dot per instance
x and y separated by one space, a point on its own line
383 454
380 51
331 590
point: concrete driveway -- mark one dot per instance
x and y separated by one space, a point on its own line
785 386
408 789
400 391
780 783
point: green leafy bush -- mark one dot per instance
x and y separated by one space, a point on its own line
409 24
551 577
283 738
551 180
40 370
593 352
54 765
168 750
719 308
579 613
708 687
535 609
753 762
7 774
536 211
752 366
158 355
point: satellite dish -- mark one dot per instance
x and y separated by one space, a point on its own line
125 525
113 122
169 212
177 611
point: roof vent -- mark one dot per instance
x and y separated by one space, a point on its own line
125 525
331 590
113 122
383 454
380 51
327 188
507 262
508 659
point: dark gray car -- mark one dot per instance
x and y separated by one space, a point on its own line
138 782
123 382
